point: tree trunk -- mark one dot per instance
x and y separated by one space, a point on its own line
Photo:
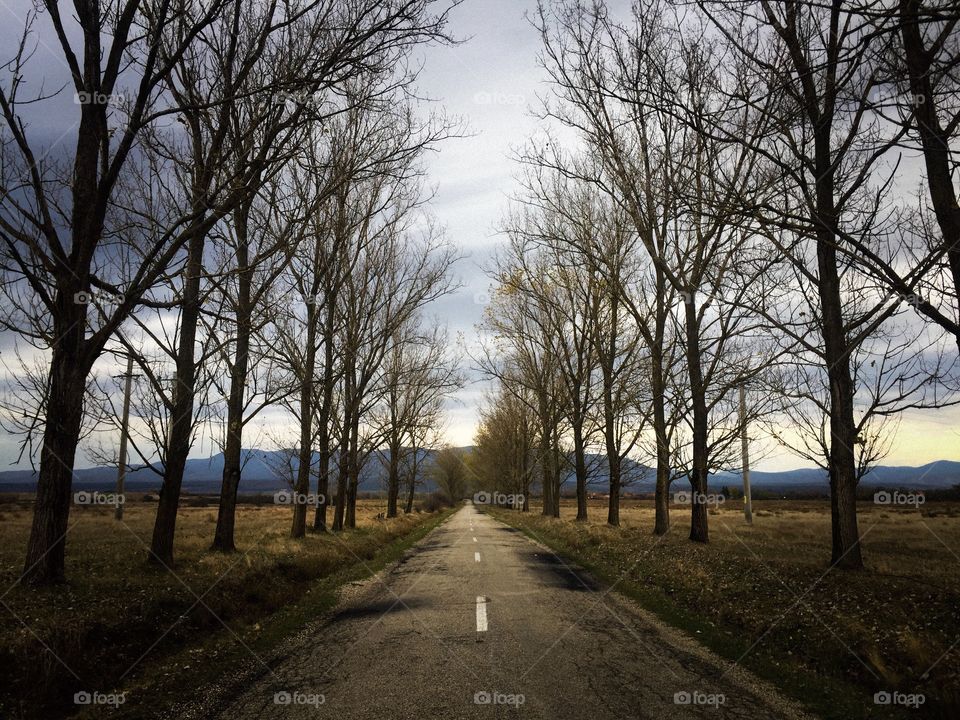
546 479
323 483
393 480
46 548
223 538
843 476
411 487
393 473
323 416
698 472
555 461
302 487
580 464
843 434
354 477
338 511
181 421
343 474
613 451
662 493
934 140
71 357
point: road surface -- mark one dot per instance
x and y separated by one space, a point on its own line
478 621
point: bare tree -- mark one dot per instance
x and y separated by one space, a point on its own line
823 147
252 260
504 457
56 215
418 374
640 96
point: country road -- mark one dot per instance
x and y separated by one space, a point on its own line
479 621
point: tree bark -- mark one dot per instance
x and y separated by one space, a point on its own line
71 356
354 477
613 451
323 414
393 480
44 564
305 456
555 462
698 471
843 476
181 421
223 538
845 550
662 493
411 487
580 465
343 475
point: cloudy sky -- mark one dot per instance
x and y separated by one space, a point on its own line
491 80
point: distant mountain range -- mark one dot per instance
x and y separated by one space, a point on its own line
267 471
934 475
264 471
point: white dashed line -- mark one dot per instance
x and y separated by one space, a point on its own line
481 613
476 556
474 539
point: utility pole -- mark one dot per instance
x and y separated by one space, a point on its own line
122 466
745 452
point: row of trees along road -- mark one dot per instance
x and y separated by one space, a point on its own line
753 194
240 208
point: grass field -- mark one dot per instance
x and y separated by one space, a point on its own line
765 596
121 624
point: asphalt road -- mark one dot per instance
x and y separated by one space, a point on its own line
478 621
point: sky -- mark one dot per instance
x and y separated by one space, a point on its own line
491 81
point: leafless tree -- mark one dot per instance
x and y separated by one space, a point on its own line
66 228
829 211
504 457
418 374
639 95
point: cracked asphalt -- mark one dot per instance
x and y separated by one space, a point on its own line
517 633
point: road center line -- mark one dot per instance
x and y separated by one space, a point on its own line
474 539
476 556
481 613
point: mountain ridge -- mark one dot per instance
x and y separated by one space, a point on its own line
268 470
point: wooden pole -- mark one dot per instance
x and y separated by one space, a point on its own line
745 451
122 465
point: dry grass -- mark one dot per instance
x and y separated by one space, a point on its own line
767 589
116 606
